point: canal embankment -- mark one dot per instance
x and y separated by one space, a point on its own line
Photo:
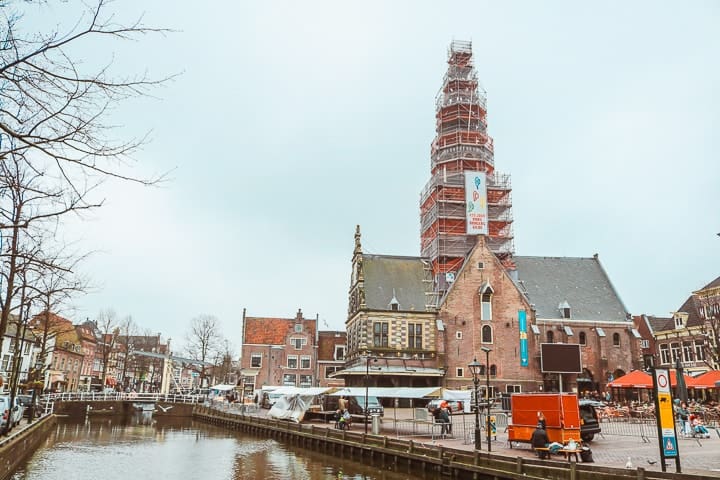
409 455
22 442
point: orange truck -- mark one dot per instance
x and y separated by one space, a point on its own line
561 411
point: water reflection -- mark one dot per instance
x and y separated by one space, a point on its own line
143 448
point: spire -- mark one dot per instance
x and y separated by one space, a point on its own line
358 246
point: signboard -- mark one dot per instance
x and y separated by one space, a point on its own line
476 203
666 417
560 358
522 323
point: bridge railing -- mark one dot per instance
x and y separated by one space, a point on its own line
121 396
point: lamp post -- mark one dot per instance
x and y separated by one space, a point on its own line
475 367
367 383
487 391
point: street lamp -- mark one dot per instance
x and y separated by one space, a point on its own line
367 382
475 368
487 391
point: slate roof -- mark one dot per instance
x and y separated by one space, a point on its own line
582 282
274 331
713 284
384 274
659 324
690 308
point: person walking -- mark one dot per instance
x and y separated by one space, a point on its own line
444 419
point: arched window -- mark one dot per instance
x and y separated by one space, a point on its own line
487 336
486 293
581 338
550 336
493 370
616 339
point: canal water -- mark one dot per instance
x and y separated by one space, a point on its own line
143 448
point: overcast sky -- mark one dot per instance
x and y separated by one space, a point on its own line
291 122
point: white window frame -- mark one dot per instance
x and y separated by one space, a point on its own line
665 356
339 348
460 372
252 360
303 360
293 358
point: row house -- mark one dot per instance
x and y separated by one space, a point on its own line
90 369
332 346
19 352
689 338
279 351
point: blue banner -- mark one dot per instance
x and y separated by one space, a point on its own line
522 323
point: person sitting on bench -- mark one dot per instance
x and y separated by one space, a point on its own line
539 439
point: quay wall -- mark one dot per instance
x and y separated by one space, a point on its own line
22 442
408 456
80 408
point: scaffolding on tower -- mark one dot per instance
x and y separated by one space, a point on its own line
461 144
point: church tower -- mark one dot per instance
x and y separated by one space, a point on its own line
465 195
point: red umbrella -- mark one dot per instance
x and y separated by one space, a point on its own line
689 381
707 379
634 379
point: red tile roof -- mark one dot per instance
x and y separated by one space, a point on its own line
274 331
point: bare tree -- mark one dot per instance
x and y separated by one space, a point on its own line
29 210
56 143
203 342
107 335
54 105
127 331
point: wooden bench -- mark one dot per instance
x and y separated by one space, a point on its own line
569 454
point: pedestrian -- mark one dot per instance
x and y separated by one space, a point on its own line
541 420
684 418
444 420
342 404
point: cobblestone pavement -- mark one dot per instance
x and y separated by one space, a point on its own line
697 456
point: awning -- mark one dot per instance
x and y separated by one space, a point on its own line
223 387
57 377
309 391
110 381
390 392
395 370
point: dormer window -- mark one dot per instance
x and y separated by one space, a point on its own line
678 322
486 293
394 305
564 309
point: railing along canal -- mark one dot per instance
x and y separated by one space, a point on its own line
121 396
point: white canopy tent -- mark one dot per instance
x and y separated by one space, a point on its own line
389 392
295 401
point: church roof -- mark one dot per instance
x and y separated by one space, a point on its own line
387 277
581 282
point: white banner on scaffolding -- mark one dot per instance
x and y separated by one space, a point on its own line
476 203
